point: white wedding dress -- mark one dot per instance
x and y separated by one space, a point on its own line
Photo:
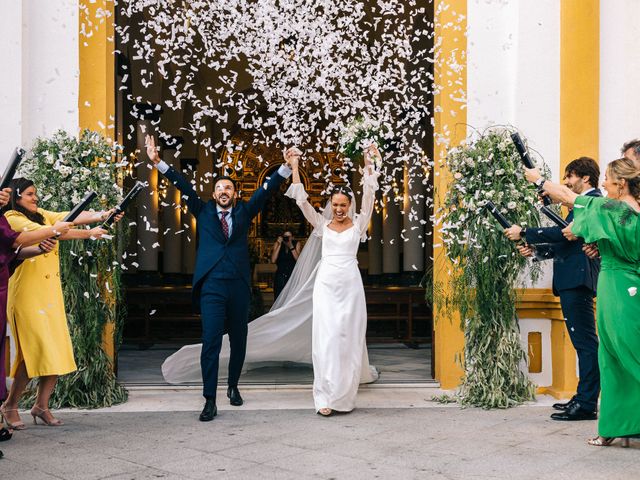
322 310
339 348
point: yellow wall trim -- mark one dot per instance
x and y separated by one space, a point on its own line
579 80
449 130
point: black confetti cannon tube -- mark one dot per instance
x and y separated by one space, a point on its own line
526 160
130 197
554 217
81 207
10 171
493 210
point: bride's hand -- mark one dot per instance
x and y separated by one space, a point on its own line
292 157
371 154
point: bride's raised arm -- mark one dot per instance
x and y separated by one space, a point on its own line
369 188
297 192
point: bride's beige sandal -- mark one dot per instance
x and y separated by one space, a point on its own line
607 441
325 412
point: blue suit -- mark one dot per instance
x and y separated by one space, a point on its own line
575 278
222 277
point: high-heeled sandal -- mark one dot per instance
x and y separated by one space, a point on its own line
19 425
54 422
5 434
607 441
325 412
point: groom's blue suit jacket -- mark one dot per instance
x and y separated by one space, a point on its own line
214 250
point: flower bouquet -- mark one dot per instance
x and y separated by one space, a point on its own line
360 134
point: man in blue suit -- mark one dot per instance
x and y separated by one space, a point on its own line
222 277
575 277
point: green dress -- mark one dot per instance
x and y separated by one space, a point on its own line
616 228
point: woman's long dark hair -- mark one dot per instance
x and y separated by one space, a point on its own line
19 185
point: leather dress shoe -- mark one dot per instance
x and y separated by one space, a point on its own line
209 411
234 396
563 405
575 412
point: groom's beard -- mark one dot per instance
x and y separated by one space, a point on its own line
225 203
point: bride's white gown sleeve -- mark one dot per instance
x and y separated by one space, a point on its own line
321 309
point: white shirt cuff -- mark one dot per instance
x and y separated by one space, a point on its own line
284 171
162 166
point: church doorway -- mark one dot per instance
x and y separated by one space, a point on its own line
161 251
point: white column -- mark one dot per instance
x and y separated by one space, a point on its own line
171 214
50 68
514 75
39 81
619 67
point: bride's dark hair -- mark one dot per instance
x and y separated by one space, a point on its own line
343 190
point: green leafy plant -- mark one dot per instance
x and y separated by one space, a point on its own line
487 267
64 169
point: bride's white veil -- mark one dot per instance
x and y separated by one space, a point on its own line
281 335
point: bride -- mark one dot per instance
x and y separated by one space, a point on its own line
285 333
339 309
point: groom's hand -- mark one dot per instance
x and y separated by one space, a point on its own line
152 150
292 157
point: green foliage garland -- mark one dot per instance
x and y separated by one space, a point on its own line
64 169
488 267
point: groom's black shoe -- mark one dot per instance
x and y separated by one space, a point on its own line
209 411
575 412
562 406
234 396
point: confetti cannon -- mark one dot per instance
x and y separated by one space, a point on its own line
133 193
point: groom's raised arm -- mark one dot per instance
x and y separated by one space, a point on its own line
194 203
260 196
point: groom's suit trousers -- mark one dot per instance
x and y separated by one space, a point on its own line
224 304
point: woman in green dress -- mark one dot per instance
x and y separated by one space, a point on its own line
614 224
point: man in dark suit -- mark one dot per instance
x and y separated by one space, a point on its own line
221 280
575 277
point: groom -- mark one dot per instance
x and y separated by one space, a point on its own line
221 281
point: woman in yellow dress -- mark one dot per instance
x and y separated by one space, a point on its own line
35 308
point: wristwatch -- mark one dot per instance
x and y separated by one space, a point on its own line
539 182
523 233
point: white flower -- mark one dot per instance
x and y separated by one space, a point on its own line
511 205
632 291
457 175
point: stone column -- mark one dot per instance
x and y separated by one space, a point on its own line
171 211
413 226
391 219
147 222
375 243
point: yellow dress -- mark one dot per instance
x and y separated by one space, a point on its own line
35 307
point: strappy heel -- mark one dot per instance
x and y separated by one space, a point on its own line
607 441
54 422
325 412
19 425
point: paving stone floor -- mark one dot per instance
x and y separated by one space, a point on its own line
437 442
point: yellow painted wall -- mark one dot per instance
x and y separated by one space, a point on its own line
450 129
579 79
96 100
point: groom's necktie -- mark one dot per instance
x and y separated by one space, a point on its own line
225 225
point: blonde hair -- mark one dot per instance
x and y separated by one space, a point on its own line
626 169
